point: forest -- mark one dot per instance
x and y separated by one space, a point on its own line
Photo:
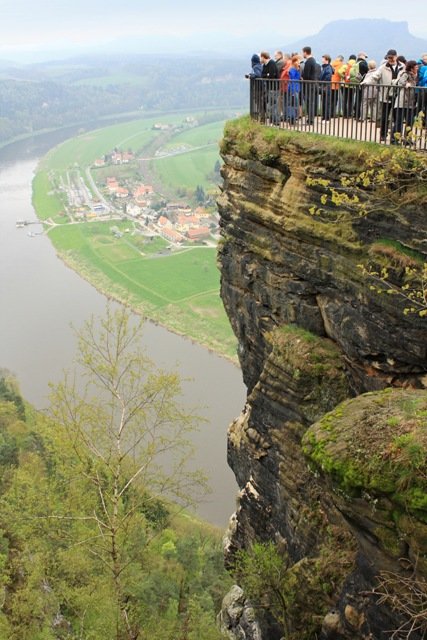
58 94
96 540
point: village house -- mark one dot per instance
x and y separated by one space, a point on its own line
178 206
191 121
164 223
185 222
112 184
185 209
133 210
141 191
121 157
202 213
121 192
172 235
99 162
198 233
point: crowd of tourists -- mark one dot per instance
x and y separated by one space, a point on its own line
295 87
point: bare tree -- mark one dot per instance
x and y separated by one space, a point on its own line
122 420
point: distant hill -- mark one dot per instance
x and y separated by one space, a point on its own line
55 94
374 37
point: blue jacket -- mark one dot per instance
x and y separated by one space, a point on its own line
326 73
294 86
422 74
256 67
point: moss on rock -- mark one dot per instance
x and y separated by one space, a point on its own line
376 443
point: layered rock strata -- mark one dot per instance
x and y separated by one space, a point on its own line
304 219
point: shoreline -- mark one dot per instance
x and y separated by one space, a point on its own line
70 264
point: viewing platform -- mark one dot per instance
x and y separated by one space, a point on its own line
382 114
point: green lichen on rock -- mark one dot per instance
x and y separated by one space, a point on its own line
376 443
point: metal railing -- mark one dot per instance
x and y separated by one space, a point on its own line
385 114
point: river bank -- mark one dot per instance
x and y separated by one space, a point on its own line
111 291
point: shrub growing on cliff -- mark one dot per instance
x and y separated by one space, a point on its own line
407 595
263 574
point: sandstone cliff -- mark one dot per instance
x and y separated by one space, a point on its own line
330 459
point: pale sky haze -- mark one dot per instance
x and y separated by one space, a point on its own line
27 25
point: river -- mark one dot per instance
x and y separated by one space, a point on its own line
41 299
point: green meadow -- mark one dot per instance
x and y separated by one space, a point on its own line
46 200
187 170
195 166
179 289
199 136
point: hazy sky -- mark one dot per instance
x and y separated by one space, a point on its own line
41 24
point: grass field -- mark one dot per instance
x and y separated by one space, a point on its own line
194 167
206 134
187 170
180 290
45 201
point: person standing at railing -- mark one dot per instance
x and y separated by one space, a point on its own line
256 67
357 75
280 62
404 106
370 94
336 92
256 95
310 90
422 83
291 98
387 76
284 75
283 84
325 86
270 88
347 94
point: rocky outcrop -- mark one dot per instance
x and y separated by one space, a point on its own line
303 220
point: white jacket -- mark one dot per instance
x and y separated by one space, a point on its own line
384 76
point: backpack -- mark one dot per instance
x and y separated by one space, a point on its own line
355 77
318 71
347 71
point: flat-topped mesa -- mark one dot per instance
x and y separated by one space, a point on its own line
316 232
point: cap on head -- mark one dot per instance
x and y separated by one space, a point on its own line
391 52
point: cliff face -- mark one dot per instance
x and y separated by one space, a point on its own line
303 220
